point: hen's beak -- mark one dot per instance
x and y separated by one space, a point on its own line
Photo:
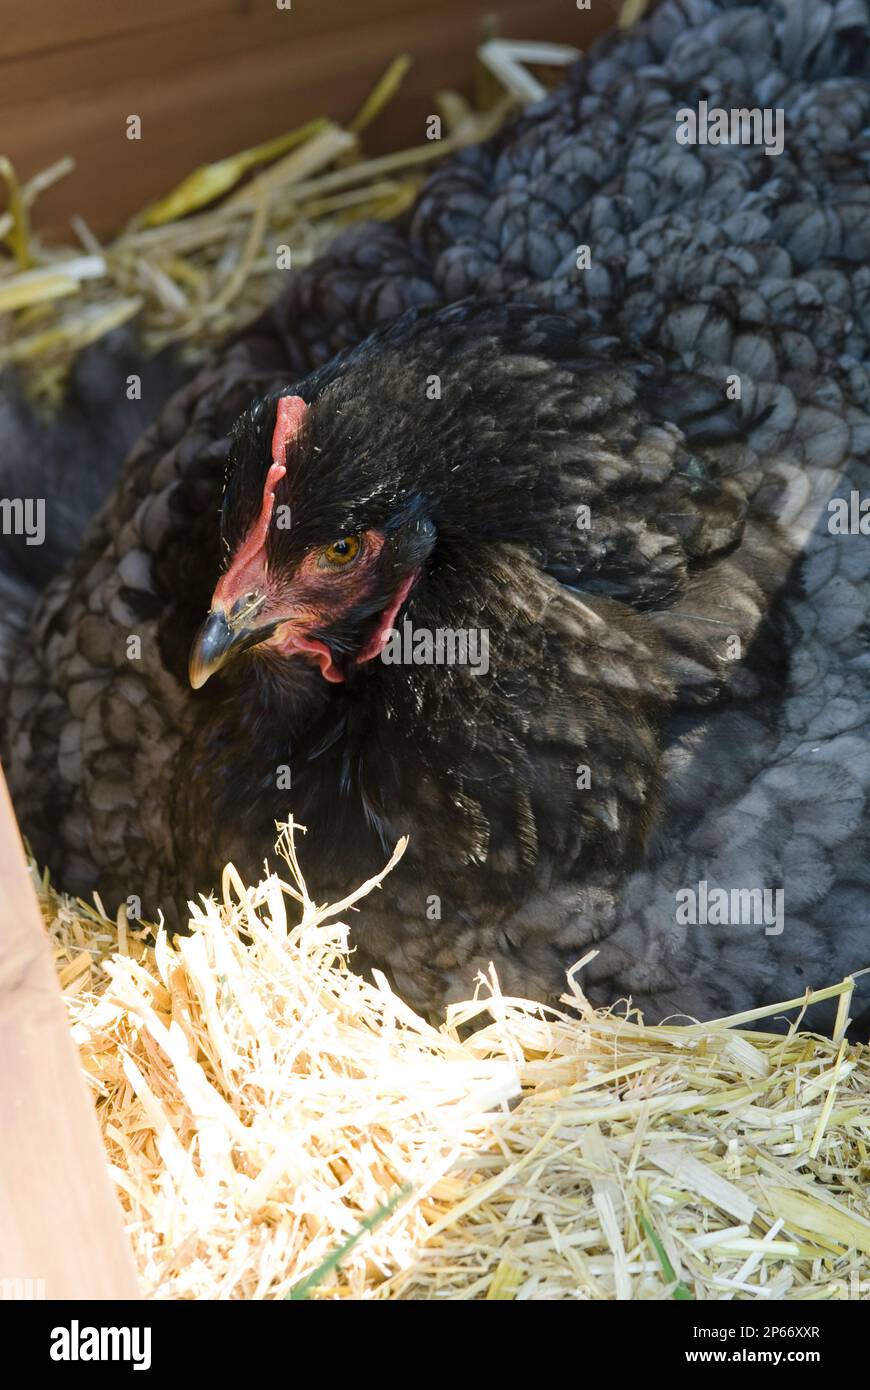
217 642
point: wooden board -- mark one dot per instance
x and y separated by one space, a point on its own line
211 77
61 1232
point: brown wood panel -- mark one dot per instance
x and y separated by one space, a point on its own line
33 26
59 1220
145 59
206 87
42 26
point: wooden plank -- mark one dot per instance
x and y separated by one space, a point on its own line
29 28
55 25
61 1232
154 55
204 109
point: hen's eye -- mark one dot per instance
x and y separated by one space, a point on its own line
341 552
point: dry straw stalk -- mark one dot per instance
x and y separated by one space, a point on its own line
259 1102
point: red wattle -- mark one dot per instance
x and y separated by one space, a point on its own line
378 640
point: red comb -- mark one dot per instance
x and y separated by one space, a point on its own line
243 573
288 422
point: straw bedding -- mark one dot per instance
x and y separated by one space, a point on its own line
265 1111
203 261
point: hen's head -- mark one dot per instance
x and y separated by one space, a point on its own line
338 493
317 563
437 456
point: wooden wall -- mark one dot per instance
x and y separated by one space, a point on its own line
209 77
61 1232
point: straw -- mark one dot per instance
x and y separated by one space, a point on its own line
277 1126
201 261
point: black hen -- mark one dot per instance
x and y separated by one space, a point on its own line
672 698
459 508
